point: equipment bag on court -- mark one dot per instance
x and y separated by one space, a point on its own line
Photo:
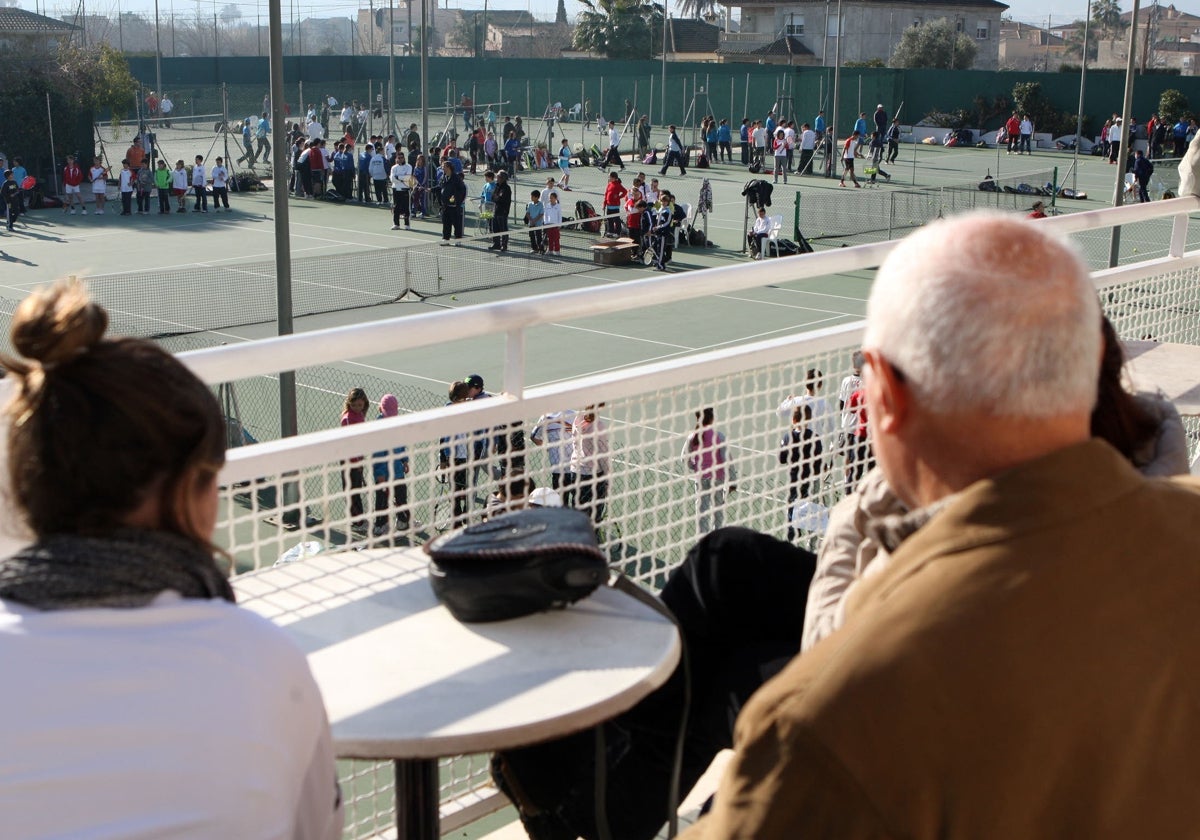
585 211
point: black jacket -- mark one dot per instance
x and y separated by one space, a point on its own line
453 192
502 198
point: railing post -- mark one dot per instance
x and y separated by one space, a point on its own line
514 363
1179 228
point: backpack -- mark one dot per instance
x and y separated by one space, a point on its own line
696 237
145 179
702 161
755 167
585 210
651 159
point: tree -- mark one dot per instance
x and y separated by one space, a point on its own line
1106 14
98 78
560 17
870 62
1073 41
699 9
1027 98
230 14
468 33
619 28
1172 105
934 44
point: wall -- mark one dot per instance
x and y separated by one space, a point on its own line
753 89
923 91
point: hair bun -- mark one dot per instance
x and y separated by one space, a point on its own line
56 323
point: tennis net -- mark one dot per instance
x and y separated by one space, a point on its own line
861 216
195 298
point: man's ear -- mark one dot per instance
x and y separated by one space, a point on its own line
888 395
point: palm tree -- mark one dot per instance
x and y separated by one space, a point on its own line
699 9
619 28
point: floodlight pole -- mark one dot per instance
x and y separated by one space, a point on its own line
424 79
1114 245
392 66
283 250
1079 118
157 55
662 114
831 164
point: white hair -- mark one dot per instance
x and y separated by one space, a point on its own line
989 312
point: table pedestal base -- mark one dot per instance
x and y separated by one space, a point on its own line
417 799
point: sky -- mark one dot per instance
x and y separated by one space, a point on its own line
1037 12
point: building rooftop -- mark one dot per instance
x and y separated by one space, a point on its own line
907 4
501 17
688 35
20 22
788 45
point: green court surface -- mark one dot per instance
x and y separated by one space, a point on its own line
53 244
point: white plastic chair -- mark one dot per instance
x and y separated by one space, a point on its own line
687 220
574 113
773 235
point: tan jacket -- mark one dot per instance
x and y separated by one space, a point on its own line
1028 665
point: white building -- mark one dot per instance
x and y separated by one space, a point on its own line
806 31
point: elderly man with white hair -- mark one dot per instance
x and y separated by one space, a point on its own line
1028 662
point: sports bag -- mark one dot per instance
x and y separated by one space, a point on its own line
585 210
516 564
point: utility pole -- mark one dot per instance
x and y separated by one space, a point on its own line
1114 246
391 65
283 251
831 157
1082 83
157 54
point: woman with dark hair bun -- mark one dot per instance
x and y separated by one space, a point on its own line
1143 426
135 690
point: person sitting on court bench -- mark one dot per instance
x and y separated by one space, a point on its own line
759 233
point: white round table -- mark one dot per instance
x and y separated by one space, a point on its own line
404 680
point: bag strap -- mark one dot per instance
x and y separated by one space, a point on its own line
622 583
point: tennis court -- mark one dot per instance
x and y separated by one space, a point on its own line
198 280
183 276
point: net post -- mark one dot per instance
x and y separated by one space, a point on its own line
796 216
1179 229
1054 184
514 362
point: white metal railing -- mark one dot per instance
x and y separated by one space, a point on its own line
652 517
225 364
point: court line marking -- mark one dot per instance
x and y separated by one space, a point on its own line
701 349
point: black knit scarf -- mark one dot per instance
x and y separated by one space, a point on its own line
127 568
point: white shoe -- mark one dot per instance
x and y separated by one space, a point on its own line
73 211
99 212
83 211
395 227
408 227
379 530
